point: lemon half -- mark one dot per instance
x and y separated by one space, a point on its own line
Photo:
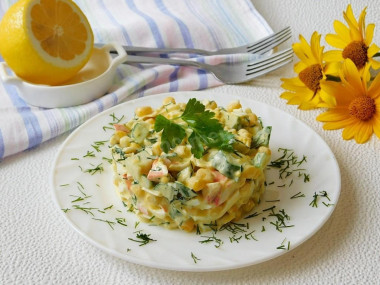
45 41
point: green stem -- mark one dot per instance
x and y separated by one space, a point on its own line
332 78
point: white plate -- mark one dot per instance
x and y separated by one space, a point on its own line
173 249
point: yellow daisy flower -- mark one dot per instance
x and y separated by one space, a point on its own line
353 41
358 106
305 89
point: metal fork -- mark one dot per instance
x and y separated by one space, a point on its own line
234 72
259 47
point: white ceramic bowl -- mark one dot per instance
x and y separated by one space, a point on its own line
91 82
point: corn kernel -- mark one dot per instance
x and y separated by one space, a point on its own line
143 111
168 100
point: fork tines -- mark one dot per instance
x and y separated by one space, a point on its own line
271 62
273 39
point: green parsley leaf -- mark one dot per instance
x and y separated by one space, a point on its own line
206 130
172 135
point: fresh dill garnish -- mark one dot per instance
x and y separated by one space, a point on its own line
96 169
109 160
105 128
109 207
322 194
235 228
121 221
116 120
234 238
79 198
110 223
282 246
250 236
66 210
89 154
142 238
212 226
297 195
80 185
288 164
207 239
281 221
269 209
195 259
255 214
87 210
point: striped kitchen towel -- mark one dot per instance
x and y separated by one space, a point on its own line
211 24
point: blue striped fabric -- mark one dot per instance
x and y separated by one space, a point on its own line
153 23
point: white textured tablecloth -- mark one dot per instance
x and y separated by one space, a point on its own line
38 247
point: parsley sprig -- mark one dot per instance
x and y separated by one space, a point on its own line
206 131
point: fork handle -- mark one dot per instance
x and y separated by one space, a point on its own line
132 49
160 60
137 50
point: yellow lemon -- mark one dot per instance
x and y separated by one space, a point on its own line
45 41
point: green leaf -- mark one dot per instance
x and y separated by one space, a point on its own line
206 130
196 145
172 134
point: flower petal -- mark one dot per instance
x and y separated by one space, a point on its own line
342 30
333 56
316 48
369 34
364 132
343 95
372 50
327 98
349 131
334 114
352 75
374 88
376 125
335 41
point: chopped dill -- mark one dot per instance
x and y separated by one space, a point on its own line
255 214
89 154
195 259
110 223
87 210
121 221
142 238
213 238
298 195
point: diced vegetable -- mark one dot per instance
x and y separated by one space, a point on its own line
261 138
221 163
140 131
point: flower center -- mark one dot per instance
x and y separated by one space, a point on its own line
357 52
311 76
363 108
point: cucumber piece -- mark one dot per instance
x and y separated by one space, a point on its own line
185 174
260 160
166 190
183 192
140 131
145 182
221 163
261 138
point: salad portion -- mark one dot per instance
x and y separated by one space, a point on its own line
190 165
